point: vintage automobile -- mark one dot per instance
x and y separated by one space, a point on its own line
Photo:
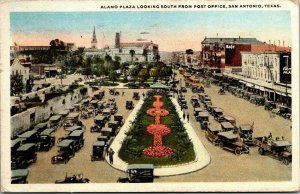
226 126
40 127
65 153
212 134
107 114
230 119
203 119
229 140
100 95
94 103
19 176
208 106
98 151
25 155
221 91
46 140
202 96
14 145
194 98
64 113
69 130
99 121
217 113
119 119
280 149
246 131
55 121
113 109
183 104
77 136
106 131
138 173
103 138
129 105
133 86
73 179
183 89
207 99
197 111
270 105
114 125
114 92
29 137
71 120
136 96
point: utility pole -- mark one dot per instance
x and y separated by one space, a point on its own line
286 81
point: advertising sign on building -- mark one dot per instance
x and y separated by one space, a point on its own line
285 67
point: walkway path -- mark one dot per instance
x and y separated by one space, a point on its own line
202 156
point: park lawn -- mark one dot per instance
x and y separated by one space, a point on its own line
138 138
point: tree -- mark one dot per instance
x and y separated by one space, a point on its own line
143 75
156 58
16 84
132 53
118 59
154 73
124 69
113 76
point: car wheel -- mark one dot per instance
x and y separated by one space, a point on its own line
261 151
286 161
237 151
221 145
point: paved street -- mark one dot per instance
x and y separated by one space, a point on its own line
224 166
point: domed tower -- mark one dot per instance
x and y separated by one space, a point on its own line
94 40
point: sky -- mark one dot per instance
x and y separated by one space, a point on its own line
171 30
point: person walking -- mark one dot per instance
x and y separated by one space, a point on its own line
143 95
188 117
111 156
183 115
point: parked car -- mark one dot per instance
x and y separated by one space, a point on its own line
19 176
65 153
99 123
71 120
98 151
183 89
280 149
29 137
77 136
217 113
25 155
203 119
230 119
106 131
270 105
107 114
226 126
114 125
197 111
114 92
246 131
138 173
212 134
46 140
73 179
40 127
119 119
229 140
136 96
55 121
129 105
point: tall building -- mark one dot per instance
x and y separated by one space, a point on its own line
94 40
118 40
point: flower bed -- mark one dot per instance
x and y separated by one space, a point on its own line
139 145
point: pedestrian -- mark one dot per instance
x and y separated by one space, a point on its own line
282 137
106 149
123 93
188 117
270 136
143 95
183 115
111 156
181 108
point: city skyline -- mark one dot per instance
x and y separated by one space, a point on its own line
172 31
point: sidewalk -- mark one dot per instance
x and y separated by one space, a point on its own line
202 156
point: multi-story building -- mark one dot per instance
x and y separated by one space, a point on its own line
17 69
272 67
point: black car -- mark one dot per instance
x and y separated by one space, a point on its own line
73 179
229 140
65 153
46 141
19 176
25 155
98 151
136 96
138 173
129 105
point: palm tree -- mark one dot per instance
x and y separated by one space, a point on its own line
132 53
124 68
145 54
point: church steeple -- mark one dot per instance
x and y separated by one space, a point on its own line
94 39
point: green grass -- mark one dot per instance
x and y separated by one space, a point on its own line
138 138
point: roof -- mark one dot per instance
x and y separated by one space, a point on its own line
27 134
40 125
106 129
73 128
47 131
25 147
281 143
100 117
99 143
140 166
218 109
106 110
227 125
14 142
19 173
73 115
158 85
76 133
198 109
65 143
194 97
245 127
228 134
213 129
232 40
203 114
114 122
229 118
55 118
63 112
136 44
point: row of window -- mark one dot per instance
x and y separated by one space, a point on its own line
261 60
263 74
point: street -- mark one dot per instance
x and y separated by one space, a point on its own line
224 166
